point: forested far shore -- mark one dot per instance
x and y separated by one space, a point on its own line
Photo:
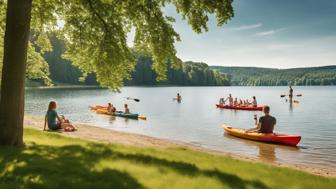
62 72
254 76
190 74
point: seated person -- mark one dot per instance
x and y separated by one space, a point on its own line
266 123
240 102
221 101
254 102
127 111
54 121
235 102
111 108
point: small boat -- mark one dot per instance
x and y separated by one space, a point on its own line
291 140
240 107
102 110
131 116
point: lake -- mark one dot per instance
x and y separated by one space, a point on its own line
197 121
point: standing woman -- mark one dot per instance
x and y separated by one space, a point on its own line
54 121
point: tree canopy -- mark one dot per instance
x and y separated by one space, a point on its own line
95 34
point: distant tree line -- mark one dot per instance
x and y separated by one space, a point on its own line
252 76
190 74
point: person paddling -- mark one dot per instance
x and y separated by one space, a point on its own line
127 111
266 123
230 100
111 108
254 102
222 102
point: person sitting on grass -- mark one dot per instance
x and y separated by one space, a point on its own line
54 121
127 111
266 123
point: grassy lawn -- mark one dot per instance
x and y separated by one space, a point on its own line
53 161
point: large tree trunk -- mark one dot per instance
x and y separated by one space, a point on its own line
13 72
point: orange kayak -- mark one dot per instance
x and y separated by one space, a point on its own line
240 107
291 140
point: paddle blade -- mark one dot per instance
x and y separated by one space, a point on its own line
142 117
136 100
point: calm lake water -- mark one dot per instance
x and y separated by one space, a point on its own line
196 120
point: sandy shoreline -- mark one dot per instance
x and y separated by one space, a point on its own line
94 133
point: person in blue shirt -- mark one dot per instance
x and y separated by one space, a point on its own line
54 121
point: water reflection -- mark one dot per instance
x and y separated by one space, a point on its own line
267 152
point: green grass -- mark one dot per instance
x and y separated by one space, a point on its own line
53 161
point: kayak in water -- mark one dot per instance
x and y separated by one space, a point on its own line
102 110
291 140
240 107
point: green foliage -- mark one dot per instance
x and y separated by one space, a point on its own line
37 67
251 76
50 160
190 74
95 33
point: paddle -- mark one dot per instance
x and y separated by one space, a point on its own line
283 95
142 117
135 99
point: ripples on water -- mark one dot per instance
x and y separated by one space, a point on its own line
196 120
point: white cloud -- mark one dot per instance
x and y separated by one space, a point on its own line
269 32
247 27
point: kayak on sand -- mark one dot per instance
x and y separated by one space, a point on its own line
291 140
239 107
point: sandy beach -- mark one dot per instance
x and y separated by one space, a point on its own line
98 134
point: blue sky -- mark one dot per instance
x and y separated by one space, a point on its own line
265 33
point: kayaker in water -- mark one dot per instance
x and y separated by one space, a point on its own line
178 97
235 102
221 101
111 108
230 100
54 121
240 103
127 111
266 123
254 102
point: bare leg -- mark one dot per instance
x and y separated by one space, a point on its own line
68 125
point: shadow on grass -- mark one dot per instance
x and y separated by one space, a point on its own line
72 167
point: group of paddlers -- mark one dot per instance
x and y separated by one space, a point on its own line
235 102
112 109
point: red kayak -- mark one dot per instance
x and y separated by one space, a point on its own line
291 140
240 107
